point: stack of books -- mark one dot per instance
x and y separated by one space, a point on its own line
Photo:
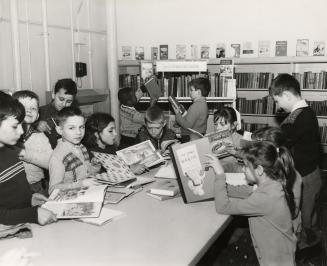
164 190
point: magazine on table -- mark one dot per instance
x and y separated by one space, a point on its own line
77 202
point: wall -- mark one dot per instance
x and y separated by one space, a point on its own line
153 22
60 43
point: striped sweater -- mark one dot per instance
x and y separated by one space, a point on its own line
15 192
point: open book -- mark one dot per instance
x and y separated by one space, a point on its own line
107 215
167 143
142 153
77 202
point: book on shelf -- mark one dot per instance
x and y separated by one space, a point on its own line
236 50
281 48
205 51
160 197
153 88
163 51
154 53
226 68
180 51
126 52
220 50
146 70
247 49
139 53
194 51
76 203
106 216
176 105
302 47
318 48
264 48
142 153
165 187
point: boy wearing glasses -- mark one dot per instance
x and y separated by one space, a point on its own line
37 149
155 128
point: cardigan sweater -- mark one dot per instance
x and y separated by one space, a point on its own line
130 121
15 192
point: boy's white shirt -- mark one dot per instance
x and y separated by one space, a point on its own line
299 104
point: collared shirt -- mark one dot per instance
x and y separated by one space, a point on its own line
300 104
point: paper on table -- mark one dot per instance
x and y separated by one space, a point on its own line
166 171
235 179
106 215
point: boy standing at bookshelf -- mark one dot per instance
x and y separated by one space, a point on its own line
17 202
155 128
64 94
70 164
302 131
197 114
130 119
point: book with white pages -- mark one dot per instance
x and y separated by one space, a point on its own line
166 171
106 215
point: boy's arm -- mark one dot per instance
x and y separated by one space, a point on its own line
189 119
17 216
138 118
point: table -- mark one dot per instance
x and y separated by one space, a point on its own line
153 232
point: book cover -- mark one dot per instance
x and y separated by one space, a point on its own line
264 48
302 47
126 52
194 51
220 50
164 52
236 50
180 51
154 53
166 171
117 171
194 179
147 70
106 216
139 53
248 49
173 101
281 48
205 51
318 48
77 202
159 197
226 68
143 153
220 143
153 88
165 187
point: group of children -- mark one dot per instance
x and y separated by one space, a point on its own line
279 160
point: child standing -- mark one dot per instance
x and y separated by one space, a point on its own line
17 203
37 149
70 164
270 207
155 128
130 119
64 94
302 131
197 114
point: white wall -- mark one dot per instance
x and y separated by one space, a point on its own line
153 22
60 43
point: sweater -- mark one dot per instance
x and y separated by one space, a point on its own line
196 117
15 192
130 121
47 113
144 135
270 220
302 132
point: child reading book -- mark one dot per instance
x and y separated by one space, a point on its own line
197 114
17 203
270 207
100 136
70 165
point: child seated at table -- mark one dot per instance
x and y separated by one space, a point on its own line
70 165
270 207
17 203
155 128
100 136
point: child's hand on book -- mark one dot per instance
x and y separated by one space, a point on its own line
138 168
89 182
214 163
45 216
38 199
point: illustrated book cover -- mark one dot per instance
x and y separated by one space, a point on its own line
318 48
281 48
173 101
77 202
139 53
117 171
153 88
302 47
147 70
248 49
205 51
264 48
236 50
180 51
154 53
194 51
220 50
126 52
142 153
164 52
194 179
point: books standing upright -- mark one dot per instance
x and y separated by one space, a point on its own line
163 52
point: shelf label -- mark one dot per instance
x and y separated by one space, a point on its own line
181 66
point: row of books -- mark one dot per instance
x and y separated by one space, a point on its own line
254 80
323 133
266 105
246 49
319 107
251 127
312 81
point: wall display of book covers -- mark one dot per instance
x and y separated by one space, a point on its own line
281 48
319 48
302 47
139 53
264 48
126 52
236 50
163 52
194 51
205 51
221 50
181 51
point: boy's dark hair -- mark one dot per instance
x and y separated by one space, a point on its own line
96 123
26 94
67 112
227 112
68 85
272 134
284 82
10 107
125 96
202 84
153 114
